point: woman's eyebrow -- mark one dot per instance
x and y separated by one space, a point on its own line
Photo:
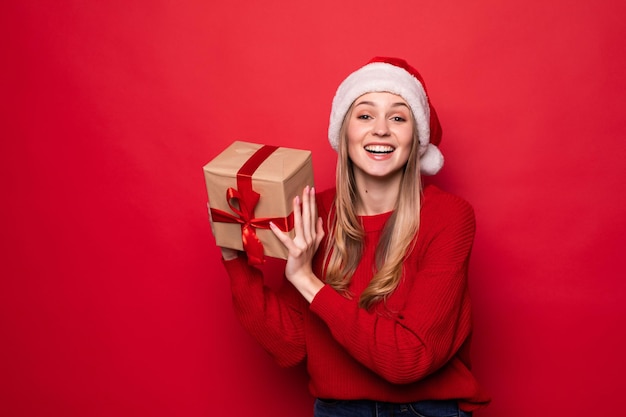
371 103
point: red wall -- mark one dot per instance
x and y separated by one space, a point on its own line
113 301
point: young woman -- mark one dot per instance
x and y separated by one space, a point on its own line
378 304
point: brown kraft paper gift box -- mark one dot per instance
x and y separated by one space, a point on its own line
248 185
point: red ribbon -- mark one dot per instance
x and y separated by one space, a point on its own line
246 200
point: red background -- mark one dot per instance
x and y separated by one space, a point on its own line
113 301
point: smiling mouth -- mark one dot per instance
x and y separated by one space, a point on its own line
379 149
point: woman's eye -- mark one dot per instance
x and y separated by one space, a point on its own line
364 117
398 119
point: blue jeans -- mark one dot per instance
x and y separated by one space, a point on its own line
366 408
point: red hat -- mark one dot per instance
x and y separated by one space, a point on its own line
392 75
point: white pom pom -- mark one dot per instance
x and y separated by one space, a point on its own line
431 160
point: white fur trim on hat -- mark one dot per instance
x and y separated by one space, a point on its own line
384 77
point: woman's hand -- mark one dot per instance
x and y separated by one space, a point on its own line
308 236
229 254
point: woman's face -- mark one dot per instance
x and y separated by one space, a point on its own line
380 134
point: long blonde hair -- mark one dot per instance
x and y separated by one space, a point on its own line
345 247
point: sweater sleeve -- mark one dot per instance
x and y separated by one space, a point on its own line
409 343
273 318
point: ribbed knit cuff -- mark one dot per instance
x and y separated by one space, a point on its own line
327 303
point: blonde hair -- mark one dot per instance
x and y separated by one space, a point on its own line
345 247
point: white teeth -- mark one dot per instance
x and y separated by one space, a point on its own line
379 148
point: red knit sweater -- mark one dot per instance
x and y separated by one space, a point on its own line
414 347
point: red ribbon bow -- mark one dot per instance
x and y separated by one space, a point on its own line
242 202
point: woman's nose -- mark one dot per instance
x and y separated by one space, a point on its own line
381 128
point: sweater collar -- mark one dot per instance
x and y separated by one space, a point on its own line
375 222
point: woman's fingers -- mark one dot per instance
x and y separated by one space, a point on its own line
297 217
307 226
319 232
306 214
309 217
313 204
283 237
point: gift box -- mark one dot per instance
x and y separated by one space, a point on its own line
249 185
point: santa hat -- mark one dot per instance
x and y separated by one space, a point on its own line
392 75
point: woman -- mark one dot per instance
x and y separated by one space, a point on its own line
379 305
